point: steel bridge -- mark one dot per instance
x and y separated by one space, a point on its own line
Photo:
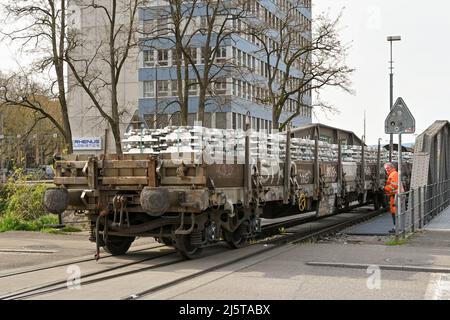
429 194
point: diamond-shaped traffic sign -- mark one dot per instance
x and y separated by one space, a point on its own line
400 119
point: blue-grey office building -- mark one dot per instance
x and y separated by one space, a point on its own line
238 95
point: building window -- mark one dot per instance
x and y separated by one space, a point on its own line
174 87
205 55
149 27
204 23
192 87
163 57
149 58
162 121
221 55
220 86
163 88
175 119
221 120
163 26
149 89
192 52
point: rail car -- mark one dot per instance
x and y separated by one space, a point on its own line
190 187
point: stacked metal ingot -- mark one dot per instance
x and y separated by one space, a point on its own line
302 149
140 141
225 146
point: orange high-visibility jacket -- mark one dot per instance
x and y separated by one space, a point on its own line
391 187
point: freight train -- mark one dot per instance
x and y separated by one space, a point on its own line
190 187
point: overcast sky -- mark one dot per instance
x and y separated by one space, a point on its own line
422 66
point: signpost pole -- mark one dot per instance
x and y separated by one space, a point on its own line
400 121
399 190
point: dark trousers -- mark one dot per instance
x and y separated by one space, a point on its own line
393 218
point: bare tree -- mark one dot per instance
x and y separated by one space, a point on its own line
300 59
193 38
40 27
98 69
31 119
17 90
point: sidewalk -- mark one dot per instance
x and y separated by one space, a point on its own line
440 222
379 226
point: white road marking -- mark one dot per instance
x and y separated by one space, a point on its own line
438 287
26 251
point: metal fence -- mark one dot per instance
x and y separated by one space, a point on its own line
420 205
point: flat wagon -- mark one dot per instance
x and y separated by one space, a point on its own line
190 187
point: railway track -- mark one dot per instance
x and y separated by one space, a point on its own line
159 261
269 229
290 238
69 262
103 273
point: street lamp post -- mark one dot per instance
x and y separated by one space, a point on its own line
156 91
391 39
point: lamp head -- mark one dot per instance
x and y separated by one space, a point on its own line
394 38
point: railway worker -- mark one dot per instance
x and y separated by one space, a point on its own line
391 188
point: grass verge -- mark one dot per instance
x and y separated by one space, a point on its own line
11 222
400 242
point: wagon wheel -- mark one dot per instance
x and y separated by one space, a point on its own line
361 199
347 204
117 245
378 201
185 248
168 241
238 238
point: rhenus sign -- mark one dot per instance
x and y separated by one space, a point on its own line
87 143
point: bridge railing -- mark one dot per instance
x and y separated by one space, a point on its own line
420 205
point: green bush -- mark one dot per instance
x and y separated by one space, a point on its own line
11 222
25 201
4 196
21 205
